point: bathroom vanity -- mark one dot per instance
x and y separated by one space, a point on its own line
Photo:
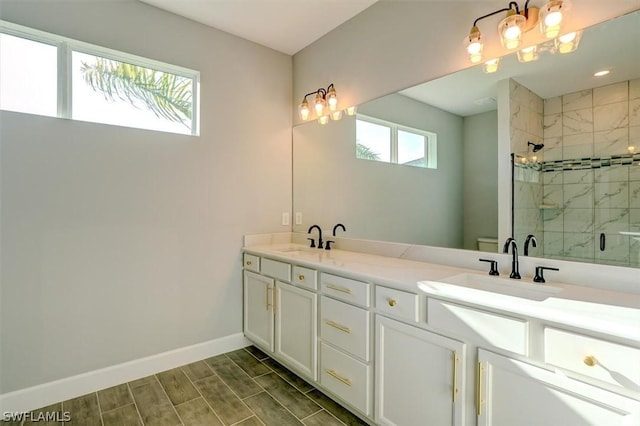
404 342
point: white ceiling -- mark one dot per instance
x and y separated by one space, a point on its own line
611 45
284 25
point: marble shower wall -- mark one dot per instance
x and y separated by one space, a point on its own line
527 126
584 201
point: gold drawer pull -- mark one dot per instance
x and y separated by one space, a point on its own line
590 360
301 277
392 302
339 377
248 262
479 389
339 327
455 377
340 289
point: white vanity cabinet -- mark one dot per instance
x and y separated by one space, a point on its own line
515 392
419 376
281 318
396 355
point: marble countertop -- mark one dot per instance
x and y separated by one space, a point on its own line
605 311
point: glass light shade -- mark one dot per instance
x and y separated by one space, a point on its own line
567 43
319 104
351 110
510 30
332 99
528 54
551 17
336 115
303 110
323 119
474 45
491 66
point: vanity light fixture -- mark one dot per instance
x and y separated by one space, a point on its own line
323 119
528 54
567 43
324 99
491 66
336 115
552 15
516 23
351 110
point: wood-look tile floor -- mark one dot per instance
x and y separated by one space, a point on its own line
244 388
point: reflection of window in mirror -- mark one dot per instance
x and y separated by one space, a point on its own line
388 142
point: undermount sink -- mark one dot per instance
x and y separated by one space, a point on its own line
294 251
485 286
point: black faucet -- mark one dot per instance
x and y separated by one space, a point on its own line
339 225
320 244
515 274
530 239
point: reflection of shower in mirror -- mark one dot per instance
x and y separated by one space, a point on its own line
536 146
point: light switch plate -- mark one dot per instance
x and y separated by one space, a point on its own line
285 218
298 218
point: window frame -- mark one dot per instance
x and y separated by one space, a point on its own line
65 48
430 140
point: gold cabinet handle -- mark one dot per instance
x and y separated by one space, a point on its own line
479 390
267 288
301 277
335 375
590 360
392 302
339 326
274 297
338 288
455 377
248 262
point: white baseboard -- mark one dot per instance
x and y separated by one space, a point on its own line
60 390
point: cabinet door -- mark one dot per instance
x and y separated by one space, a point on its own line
419 376
513 392
296 328
258 309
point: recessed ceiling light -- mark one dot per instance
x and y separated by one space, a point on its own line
601 73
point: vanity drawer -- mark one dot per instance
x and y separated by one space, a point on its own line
276 269
251 262
346 377
345 289
397 303
305 277
479 327
593 357
345 326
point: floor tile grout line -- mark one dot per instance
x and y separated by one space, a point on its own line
193 382
135 404
170 402
99 408
285 407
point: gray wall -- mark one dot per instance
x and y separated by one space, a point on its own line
375 200
120 243
480 159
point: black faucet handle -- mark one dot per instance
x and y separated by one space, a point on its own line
313 242
539 278
494 266
328 244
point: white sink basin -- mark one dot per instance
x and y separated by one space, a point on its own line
479 286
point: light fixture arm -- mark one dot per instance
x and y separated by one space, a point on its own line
506 9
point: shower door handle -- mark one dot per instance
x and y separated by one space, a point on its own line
602 241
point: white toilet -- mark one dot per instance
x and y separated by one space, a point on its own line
488 244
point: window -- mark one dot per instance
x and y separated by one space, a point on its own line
388 142
42 73
28 76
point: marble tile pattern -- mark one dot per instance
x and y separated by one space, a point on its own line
596 186
244 388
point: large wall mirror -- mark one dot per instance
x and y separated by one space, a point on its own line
575 138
